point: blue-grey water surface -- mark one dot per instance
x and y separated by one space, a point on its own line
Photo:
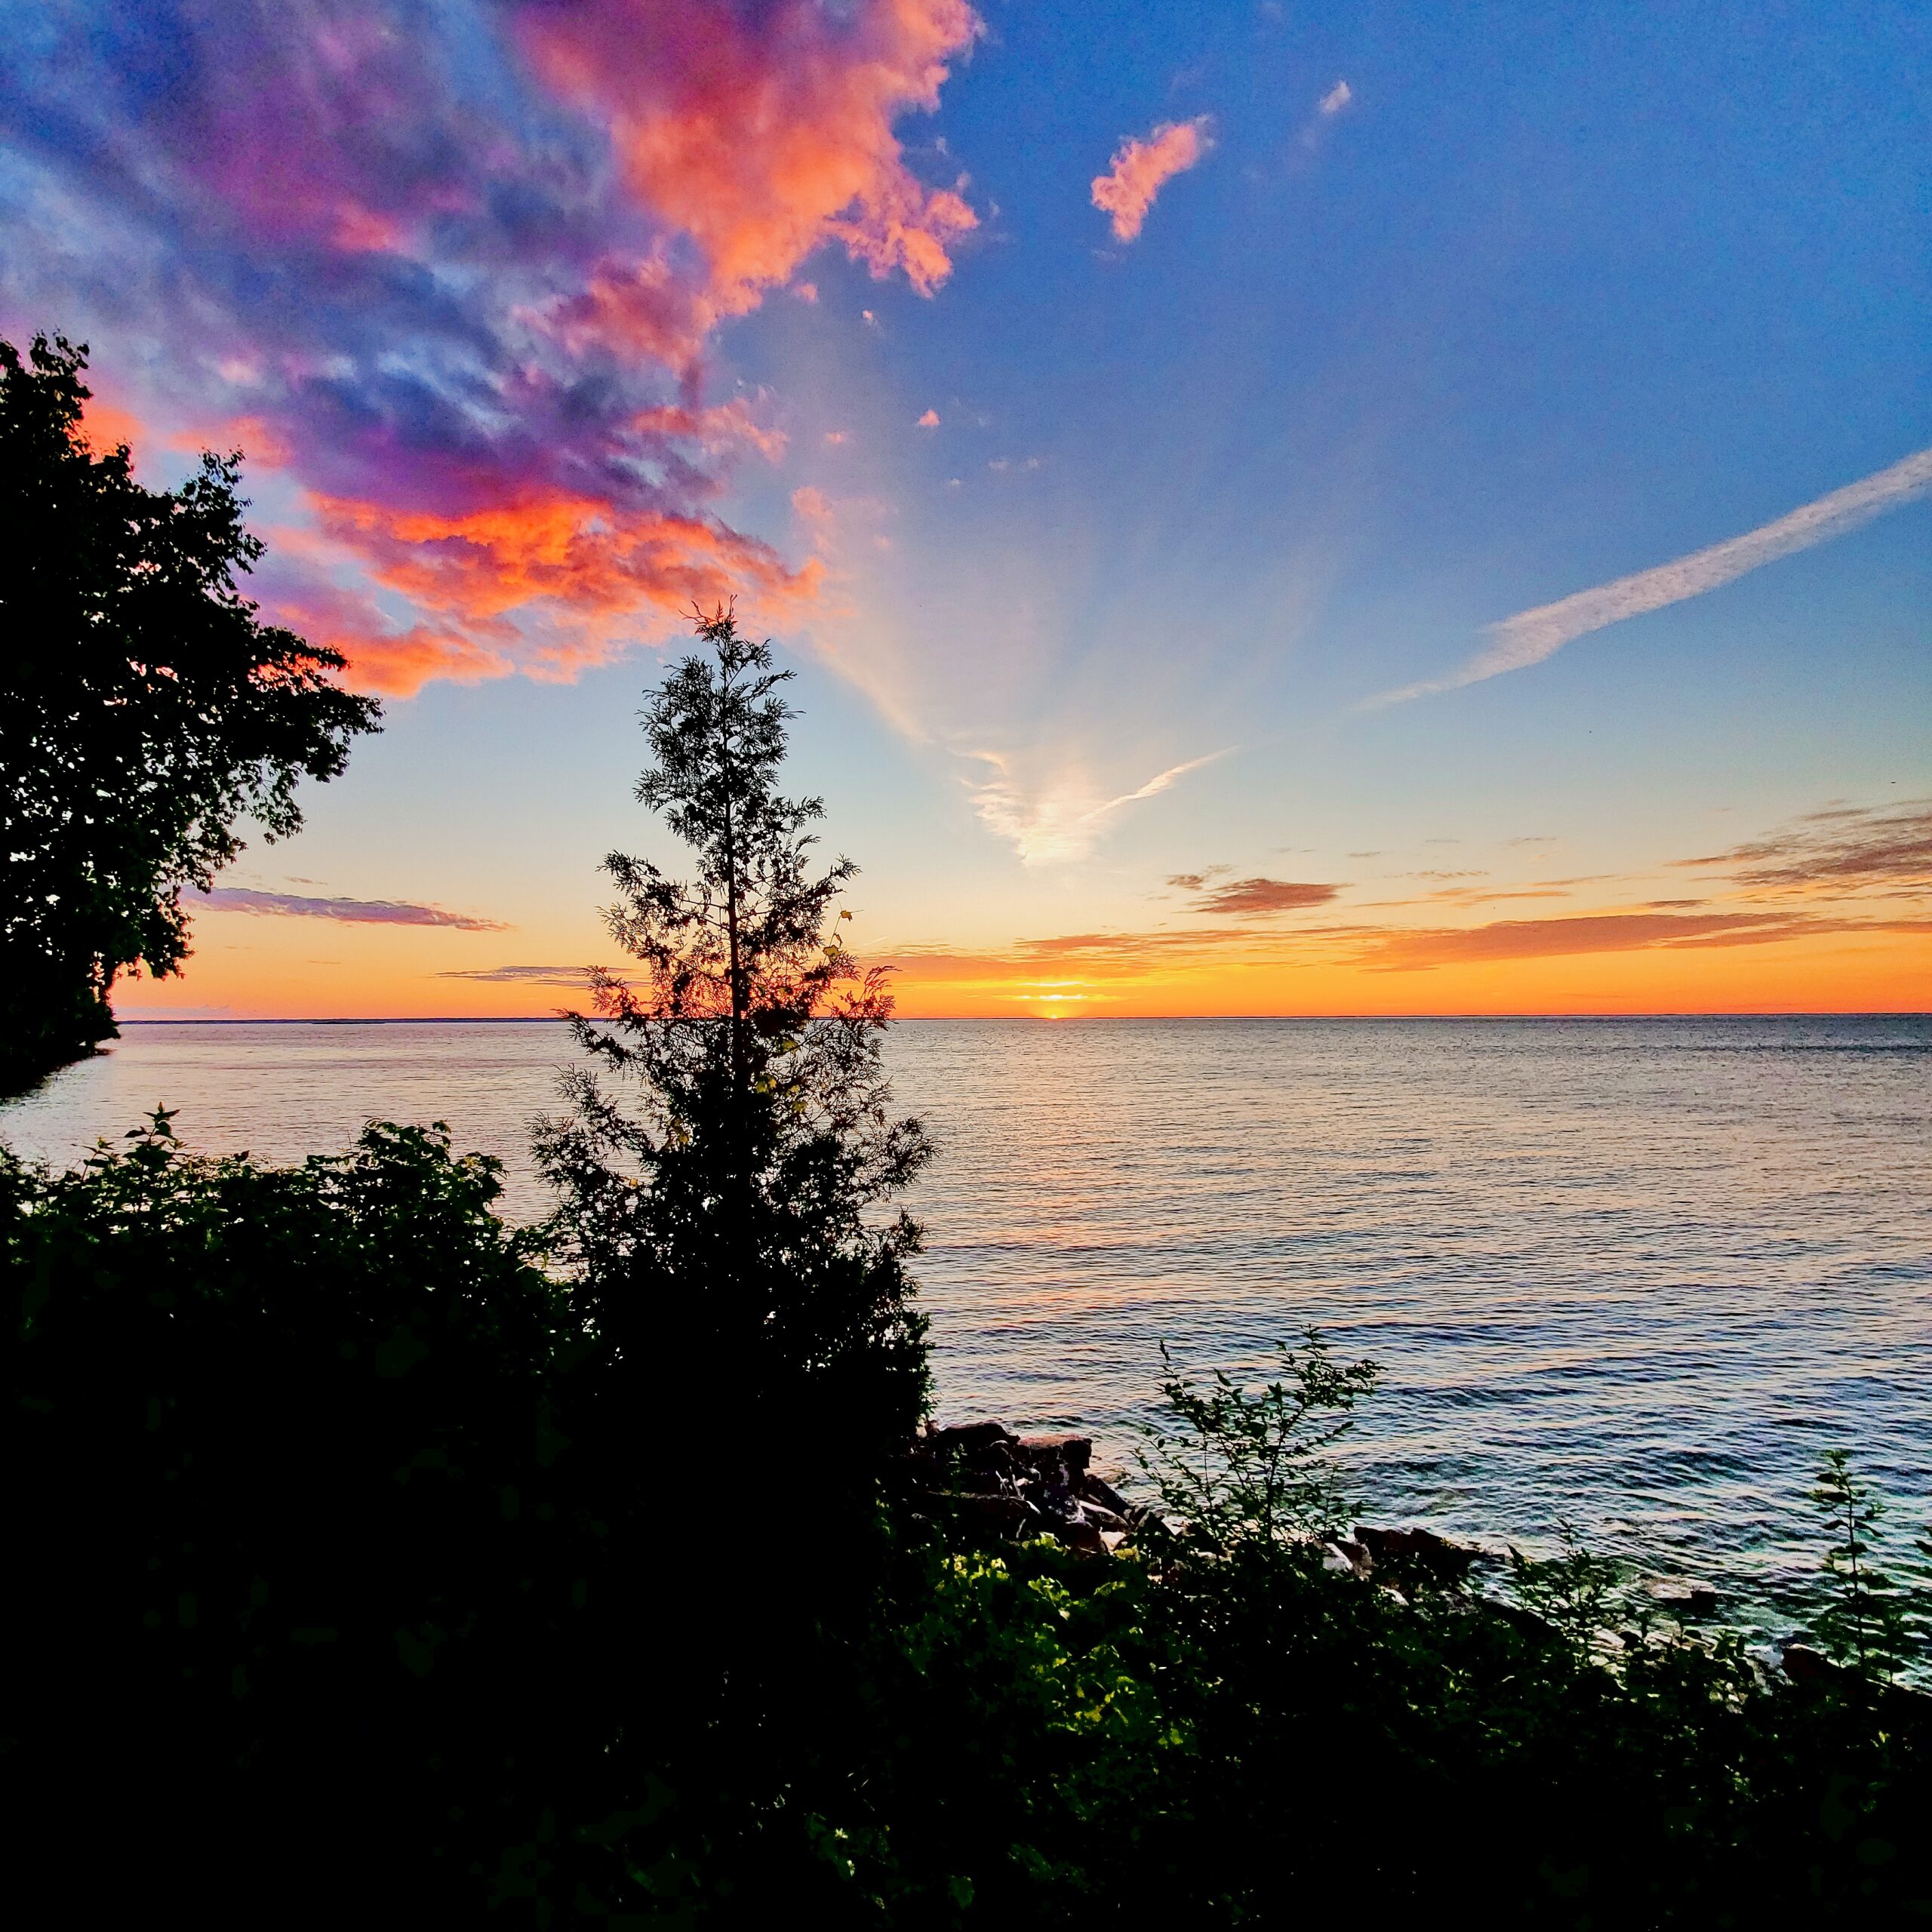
1635 1273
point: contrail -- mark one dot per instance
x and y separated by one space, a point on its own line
1531 636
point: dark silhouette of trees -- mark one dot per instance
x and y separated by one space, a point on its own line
300 1602
143 711
731 1218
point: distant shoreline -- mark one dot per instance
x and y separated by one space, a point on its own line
1092 1019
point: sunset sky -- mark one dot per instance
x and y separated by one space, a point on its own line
1274 508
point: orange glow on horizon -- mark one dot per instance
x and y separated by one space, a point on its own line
252 966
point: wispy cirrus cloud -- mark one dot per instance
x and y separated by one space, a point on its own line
455 266
573 979
1059 816
1531 636
349 912
1141 166
1843 849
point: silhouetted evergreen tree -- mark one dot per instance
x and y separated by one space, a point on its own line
144 710
726 1225
727 1174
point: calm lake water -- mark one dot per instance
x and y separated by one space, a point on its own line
1635 1273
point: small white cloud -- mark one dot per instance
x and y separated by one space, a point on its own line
1335 99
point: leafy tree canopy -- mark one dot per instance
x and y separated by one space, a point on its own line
144 710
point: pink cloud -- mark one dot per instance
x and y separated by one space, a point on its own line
715 431
928 421
1141 167
764 137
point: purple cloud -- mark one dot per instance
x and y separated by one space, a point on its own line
351 912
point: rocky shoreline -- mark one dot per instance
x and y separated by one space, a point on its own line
1010 1487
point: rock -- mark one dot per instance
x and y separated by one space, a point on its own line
1419 1551
971 1438
1525 1622
1091 1489
1803 1665
982 1477
1075 1451
1346 1558
1681 1594
996 1515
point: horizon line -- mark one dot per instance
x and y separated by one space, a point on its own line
1052 1019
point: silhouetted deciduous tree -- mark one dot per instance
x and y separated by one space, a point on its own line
144 710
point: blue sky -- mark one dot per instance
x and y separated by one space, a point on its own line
1459 311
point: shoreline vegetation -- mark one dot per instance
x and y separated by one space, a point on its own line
378 1560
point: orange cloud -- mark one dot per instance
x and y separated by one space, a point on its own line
928 421
1634 962
398 664
393 663
763 140
582 557
644 310
1613 932
1140 168
108 428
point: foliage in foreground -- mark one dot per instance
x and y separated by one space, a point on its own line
341 1597
143 711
